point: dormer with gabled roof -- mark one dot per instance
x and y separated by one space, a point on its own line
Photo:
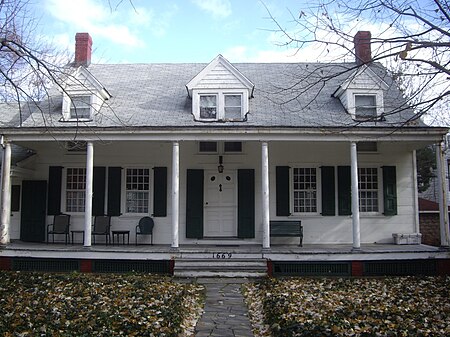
83 94
362 95
220 93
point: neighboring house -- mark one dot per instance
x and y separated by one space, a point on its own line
216 151
429 214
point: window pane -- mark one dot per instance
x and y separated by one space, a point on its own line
207 147
365 106
305 190
80 107
368 189
233 147
137 186
75 189
208 106
233 107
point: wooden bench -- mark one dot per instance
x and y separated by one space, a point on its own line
284 228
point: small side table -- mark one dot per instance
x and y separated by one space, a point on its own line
121 233
77 232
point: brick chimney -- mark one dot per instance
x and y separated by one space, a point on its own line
363 53
83 49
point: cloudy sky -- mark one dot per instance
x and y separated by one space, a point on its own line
173 30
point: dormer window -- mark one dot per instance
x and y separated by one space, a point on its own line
362 95
365 106
220 93
208 107
220 106
83 96
80 107
233 106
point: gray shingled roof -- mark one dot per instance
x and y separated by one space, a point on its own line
285 95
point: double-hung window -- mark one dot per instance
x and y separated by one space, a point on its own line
137 190
80 107
365 106
368 189
219 106
75 189
208 106
305 190
233 106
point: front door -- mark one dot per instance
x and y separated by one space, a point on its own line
33 213
220 204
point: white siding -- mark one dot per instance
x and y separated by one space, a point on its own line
317 229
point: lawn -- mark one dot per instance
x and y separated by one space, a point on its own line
391 306
42 304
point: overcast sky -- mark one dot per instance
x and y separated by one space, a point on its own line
173 30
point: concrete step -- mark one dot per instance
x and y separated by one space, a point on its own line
227 274
229 263
220 255
220 267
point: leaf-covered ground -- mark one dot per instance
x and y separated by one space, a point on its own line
42 304
396 306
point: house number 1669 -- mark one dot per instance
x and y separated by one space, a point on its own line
222 255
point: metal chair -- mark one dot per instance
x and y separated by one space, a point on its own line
102 226
60 225
145 227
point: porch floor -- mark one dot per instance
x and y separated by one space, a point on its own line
309 252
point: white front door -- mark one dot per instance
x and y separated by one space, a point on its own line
220 204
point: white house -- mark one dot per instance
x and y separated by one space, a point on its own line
215 152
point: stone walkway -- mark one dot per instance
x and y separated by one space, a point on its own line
225 313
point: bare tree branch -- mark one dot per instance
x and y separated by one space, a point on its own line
412 42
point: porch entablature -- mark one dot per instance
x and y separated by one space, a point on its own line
424 136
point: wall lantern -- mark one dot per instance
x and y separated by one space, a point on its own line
220 167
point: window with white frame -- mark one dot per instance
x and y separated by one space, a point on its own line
137 190
80 107
219 106
365 106
368 189
305 190
208 106
233 106
75 189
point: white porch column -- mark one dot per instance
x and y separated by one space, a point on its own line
6 195
443 202
175 193
355 197
265 195
89 193
416 193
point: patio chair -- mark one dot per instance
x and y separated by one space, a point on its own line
102 225
60 225
145 227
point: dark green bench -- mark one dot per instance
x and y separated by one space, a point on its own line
284 228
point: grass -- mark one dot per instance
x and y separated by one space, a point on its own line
43 304
391 306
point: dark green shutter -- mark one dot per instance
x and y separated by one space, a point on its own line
15 198
114 190
344 191
160 191
246 203
99 185
328 190
282 191
390 190
194 204
54 190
